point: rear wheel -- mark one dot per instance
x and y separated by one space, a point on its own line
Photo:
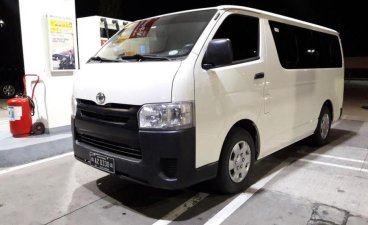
236 162
323 127
38 128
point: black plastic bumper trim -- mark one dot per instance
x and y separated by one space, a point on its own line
168 159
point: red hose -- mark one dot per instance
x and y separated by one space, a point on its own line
34 87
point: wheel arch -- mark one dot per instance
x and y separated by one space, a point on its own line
329 105
251 127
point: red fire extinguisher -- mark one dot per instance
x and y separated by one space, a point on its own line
21 110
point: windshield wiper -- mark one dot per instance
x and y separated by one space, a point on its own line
100 59
139 57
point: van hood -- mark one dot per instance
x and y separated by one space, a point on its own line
132 83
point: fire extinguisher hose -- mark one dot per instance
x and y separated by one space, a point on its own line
34 87
32 105
31 102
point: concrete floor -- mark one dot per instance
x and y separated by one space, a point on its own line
297 185
355 97
3 110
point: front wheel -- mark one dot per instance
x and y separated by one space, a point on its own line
236 162
323 127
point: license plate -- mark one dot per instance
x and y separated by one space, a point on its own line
102 162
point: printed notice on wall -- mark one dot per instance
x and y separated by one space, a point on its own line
15 113
62 43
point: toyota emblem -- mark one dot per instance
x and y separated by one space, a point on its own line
100 98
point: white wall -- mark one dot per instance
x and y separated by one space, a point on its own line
89 38
53 95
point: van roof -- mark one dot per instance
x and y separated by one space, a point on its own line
277 17
266 14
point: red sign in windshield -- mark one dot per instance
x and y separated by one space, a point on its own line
142 29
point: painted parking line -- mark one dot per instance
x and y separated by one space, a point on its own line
171 216
231 207
12 169
334 165
332 157
245 196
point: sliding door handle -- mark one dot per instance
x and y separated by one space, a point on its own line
259 76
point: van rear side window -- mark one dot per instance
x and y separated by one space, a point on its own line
328 48
300 48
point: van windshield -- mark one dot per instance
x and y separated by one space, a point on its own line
170 37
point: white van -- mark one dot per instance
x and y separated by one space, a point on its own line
177 99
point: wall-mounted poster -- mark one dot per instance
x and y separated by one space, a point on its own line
61 43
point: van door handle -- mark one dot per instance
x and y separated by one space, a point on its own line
259 76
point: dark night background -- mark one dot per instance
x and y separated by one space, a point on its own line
347 17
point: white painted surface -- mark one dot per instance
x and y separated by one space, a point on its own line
54 93
223 97
127 83
334 157
335 165
88 38
4 130
284 106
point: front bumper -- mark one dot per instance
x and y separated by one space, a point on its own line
168 159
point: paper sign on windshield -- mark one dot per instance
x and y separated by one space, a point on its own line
142 29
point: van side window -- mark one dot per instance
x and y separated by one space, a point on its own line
335 52
287 46
328 47
308 55
243 32
294 46
300 48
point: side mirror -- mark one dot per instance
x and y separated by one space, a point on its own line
219 53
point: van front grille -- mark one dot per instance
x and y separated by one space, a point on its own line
101 117
112 113
110 146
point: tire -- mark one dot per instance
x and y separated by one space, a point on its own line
236 162
322 131
38 128
8 90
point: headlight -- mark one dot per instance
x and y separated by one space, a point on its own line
74 106
166 116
